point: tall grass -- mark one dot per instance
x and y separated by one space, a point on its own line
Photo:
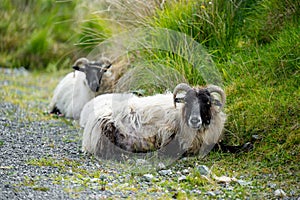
262 88
93 30
215 24
47 34
35 33
269 17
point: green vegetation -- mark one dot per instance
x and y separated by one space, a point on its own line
254 44
43 34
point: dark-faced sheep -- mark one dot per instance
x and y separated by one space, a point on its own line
78 87
145 124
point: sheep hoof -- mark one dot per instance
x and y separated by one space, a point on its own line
247 147
234 149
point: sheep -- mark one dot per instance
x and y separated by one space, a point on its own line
143 124
112 76
78 87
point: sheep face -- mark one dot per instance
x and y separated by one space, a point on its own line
198 102
93 71
196 111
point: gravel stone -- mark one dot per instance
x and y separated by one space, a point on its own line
148 177
165 172
161 166
182 178
185 171
243 183
196 191
210 193
279 193
204 170
272 185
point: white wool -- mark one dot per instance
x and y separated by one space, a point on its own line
144 117
71 94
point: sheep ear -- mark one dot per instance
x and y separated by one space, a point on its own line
216 104
76 67
178 100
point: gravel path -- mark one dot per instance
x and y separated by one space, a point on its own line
23 142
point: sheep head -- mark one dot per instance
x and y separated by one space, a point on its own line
93 71
198 103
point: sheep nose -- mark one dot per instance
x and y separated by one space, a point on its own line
195 120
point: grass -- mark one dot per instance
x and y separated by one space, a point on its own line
253 44
44 36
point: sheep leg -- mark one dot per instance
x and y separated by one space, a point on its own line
172 150
233 149
55 111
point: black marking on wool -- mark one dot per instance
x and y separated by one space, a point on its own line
55 111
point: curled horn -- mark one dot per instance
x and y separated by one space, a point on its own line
217 89
103 64
79 65
180 87
81 61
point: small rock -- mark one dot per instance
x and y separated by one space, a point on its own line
210 193
223 179
141 162
161 166
272 185
293 192
165 172
279 193
204 170
229 188
148 177
185 171
256 137
243 183
182 178
94 179
218 192
196 191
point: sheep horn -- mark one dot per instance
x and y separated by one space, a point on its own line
81 61
217 89
180 87
103 63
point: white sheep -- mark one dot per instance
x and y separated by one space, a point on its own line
78 87
145 124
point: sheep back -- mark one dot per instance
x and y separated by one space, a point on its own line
143 124
111 77
71 94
